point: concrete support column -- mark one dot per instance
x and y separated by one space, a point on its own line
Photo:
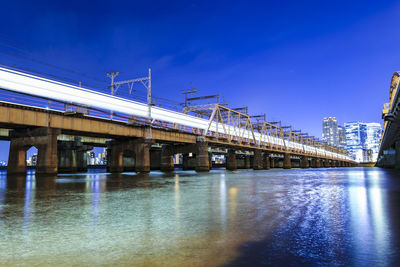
16 158
267 161
115 157
81 159
231 160
335 163
317 163
167 158
202 158
257 160
286 161
66 158
142 150
72 156
185 161
327 163
247 164
47 161
272 163
304 162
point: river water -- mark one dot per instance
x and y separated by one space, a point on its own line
337 216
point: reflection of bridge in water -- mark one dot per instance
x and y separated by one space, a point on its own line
142 136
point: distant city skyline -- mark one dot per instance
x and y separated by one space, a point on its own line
361 140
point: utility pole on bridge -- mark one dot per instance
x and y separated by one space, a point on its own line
146 81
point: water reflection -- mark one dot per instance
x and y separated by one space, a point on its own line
279 217
95 186
30 187
368 217
177 202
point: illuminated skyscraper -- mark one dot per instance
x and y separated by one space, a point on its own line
355 139
342 137
361 137
374 133
330 131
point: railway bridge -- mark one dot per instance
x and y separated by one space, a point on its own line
141 137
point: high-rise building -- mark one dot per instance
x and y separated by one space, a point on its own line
330 131
90 158
342 137
361 137
374 134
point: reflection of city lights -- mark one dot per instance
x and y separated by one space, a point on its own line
378 215
233 191
222 194
232 202
177 199
29 189
3 183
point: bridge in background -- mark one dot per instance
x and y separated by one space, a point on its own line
142 136
389 152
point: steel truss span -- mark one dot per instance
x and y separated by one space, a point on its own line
28 84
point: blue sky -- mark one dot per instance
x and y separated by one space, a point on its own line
296 61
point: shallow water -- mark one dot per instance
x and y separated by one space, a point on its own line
338 216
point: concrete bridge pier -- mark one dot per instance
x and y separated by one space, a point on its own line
257 160
316 163
304 163
66 157
247 163
44 139
72 156
286 161
167 158
115 153
188 162
17 158
327 163
267 161
272 165
231 163
321 163
202 157
142 151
